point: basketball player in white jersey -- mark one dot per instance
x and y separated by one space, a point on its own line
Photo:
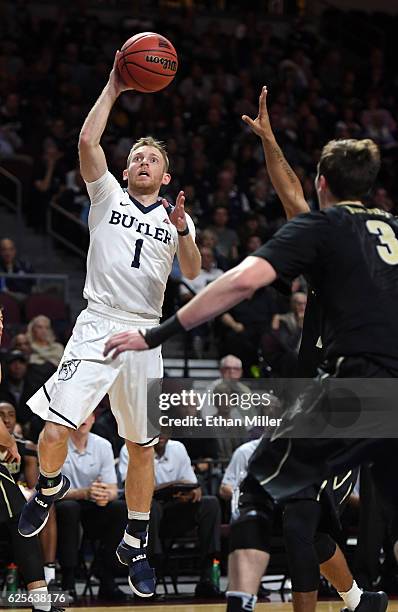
134 236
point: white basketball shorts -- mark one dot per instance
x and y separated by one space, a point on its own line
84 376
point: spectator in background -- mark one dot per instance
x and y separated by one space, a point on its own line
16 387
231 368
73 196
290 325
20 342
227 238
91 502
240 330
382 200
25 473
235 199
48 176
182 512
45 349
208 239
10 264
207 274
228 439
235 472
281 346
26 470
379 124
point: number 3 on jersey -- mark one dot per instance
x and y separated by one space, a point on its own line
388 247
137 253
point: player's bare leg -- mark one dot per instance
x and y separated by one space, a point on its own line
304 602
140 479
337 572
52 485
246 567
132 550
48 541
53 447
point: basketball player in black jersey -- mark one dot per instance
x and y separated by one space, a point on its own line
306 526
26 553
351 256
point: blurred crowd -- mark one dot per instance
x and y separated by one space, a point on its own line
321 86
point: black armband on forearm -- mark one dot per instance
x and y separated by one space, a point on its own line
157 335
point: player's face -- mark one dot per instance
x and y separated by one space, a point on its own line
146 171
7 415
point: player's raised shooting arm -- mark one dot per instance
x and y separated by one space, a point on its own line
283 178
92 157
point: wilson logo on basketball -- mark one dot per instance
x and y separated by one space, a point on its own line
167 64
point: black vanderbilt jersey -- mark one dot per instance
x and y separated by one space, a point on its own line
350 254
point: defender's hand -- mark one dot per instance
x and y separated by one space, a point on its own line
125 341
178 217
261 124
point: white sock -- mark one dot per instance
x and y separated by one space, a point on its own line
38 605
138 516
352 597
248 599
132 541
49 572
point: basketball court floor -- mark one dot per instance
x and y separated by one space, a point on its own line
263 607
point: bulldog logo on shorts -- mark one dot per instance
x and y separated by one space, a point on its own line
68 368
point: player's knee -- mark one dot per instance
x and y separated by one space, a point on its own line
54 434
251 530
300 521
325 547
140 453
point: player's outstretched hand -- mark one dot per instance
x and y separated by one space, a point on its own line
115 80
125 341
261 124
177 217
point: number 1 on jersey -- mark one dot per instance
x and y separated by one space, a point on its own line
138 246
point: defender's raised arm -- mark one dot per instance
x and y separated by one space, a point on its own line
283 178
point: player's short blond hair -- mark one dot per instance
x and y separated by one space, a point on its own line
148 141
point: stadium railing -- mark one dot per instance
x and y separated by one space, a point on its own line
9 182
67 229
43 283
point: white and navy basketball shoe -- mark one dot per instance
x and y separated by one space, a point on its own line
142 578
34 514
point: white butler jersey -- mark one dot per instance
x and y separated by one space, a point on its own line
131 249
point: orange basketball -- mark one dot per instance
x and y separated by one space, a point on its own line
148 62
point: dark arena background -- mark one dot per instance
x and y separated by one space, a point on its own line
330 67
